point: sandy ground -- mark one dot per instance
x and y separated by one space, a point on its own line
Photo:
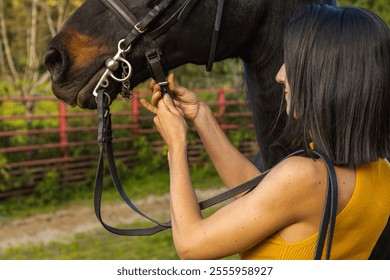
62 225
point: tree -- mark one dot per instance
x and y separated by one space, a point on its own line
381 7
26 27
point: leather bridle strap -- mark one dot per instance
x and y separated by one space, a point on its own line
130 21
214 40
138 28
329 214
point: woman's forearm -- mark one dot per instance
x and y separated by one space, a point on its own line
184 206
232 166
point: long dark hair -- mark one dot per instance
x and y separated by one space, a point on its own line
338 65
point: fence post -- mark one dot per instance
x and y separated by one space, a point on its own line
135 109
221 102
63 125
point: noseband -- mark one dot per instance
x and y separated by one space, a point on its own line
140 34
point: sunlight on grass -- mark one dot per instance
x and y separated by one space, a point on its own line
100 245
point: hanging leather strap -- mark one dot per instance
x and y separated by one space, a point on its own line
328 220
214 39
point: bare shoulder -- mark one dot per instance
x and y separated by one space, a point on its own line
300 172
297 186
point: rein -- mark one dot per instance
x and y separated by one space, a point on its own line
139 34
105 144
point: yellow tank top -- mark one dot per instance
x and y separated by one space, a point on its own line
358 225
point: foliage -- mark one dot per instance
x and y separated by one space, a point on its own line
49 191
381 7
147 161
4 175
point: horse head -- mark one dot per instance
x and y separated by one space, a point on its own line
251 30
76 56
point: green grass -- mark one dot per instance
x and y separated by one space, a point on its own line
156 183
100 244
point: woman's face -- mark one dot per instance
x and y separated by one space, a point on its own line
281 78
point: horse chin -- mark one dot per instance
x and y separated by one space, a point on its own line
85 97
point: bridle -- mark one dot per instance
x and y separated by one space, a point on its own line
154 58
139 34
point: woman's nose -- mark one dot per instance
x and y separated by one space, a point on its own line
281 76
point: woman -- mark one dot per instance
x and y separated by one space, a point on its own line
336 84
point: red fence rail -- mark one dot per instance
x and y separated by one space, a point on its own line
75 157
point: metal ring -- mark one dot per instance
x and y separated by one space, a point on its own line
121 80
108 98
124 50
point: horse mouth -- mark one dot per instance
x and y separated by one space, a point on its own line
86 99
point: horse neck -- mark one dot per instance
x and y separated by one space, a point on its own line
262 52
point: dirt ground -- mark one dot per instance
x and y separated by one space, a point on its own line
62 225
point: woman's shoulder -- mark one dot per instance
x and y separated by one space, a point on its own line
299 180
294 192
297 177
301 169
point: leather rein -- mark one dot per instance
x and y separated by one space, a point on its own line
139 34
154 57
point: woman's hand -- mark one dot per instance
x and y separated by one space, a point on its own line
171 124
184 99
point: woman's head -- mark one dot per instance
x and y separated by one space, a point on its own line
338 67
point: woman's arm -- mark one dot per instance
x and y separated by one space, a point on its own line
232 166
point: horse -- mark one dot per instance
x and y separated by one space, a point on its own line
250 30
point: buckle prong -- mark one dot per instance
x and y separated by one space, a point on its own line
139 30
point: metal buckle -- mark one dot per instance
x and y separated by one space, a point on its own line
163 83
139 30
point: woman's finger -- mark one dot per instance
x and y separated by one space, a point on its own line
156 98
169 103
152 83
148 106
171 81
177 90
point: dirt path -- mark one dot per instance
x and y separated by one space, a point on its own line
62 225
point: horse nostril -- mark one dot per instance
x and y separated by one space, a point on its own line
54 62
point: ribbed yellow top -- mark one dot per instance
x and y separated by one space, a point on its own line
358 225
